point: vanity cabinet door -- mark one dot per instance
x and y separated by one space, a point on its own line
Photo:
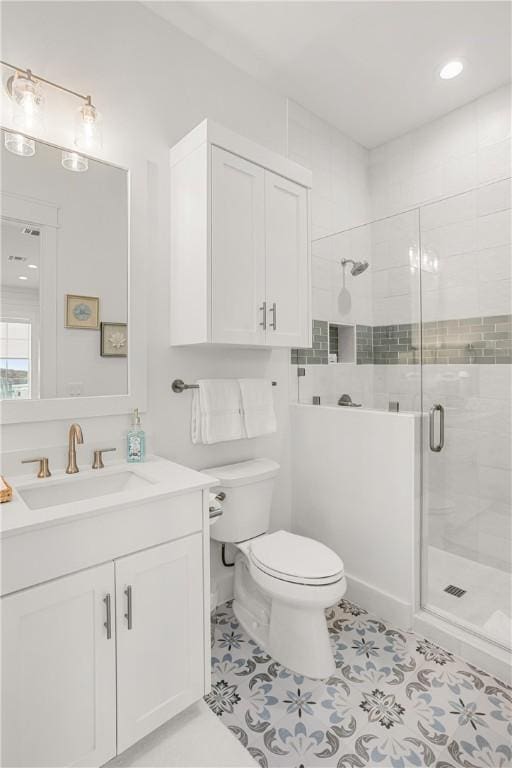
287 263
58 669
160 637
237 250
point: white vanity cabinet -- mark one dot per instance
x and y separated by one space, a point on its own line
240 253
58 673
159 627
105 616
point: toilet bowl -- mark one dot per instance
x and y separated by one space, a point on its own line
283 582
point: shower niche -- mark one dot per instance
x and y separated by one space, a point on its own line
342 343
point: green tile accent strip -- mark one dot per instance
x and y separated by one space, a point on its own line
318 353
364 344
469 340
396 344
472 340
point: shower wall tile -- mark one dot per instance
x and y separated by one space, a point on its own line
364 344
318 353
479 340
466 148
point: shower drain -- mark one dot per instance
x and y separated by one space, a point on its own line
455 591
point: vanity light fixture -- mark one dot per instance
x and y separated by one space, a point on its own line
28 98
19 144
87 127
72 161
26 93
451 69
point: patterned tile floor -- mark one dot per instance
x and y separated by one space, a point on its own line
396 700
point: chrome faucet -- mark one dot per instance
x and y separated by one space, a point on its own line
346 400
75 436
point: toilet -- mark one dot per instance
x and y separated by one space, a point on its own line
283 582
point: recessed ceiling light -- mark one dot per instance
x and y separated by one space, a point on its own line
32 266
22 277
451 69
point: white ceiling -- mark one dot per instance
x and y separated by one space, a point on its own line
369 68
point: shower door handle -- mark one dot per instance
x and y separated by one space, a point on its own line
436 447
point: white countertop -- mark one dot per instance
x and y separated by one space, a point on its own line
165 479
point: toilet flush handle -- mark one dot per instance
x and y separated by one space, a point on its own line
220 496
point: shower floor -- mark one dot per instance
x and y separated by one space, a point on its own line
396 700
486 605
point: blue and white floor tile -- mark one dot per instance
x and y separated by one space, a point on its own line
396 700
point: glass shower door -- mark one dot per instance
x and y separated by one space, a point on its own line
466 410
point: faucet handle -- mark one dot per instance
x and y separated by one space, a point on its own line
44 466
98 457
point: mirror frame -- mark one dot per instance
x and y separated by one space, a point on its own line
53 408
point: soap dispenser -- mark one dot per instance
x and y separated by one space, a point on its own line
136 439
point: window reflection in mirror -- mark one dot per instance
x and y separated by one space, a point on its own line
63 272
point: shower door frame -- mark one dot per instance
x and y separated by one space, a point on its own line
421 606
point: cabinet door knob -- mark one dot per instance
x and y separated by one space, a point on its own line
263 309
274 316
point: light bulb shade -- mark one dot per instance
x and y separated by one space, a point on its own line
28 102
19 144
88 136
72 161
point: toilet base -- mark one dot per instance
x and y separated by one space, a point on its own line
294 635
251 606
298 638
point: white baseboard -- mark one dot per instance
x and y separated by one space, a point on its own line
382 604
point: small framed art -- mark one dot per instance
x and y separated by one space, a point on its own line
114 340
82 312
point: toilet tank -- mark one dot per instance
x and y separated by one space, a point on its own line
248 486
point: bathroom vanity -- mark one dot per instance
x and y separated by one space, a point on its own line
105 609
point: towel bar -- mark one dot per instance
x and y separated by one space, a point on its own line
179 386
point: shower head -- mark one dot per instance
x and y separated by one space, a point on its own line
358 266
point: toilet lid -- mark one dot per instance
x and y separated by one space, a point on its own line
295 558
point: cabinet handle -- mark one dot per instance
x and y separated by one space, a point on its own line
108 623
128 614
274 316
263 309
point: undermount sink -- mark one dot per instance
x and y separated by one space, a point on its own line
69 489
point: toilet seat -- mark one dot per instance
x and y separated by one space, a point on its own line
296 559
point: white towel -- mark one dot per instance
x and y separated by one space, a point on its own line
257 407
216 411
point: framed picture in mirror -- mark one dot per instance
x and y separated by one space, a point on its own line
82 312
114 340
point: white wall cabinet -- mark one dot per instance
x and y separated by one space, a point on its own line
60 666
287 273
238 249
240 252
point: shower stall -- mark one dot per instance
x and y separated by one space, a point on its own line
412 313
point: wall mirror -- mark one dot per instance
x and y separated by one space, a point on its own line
64 280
